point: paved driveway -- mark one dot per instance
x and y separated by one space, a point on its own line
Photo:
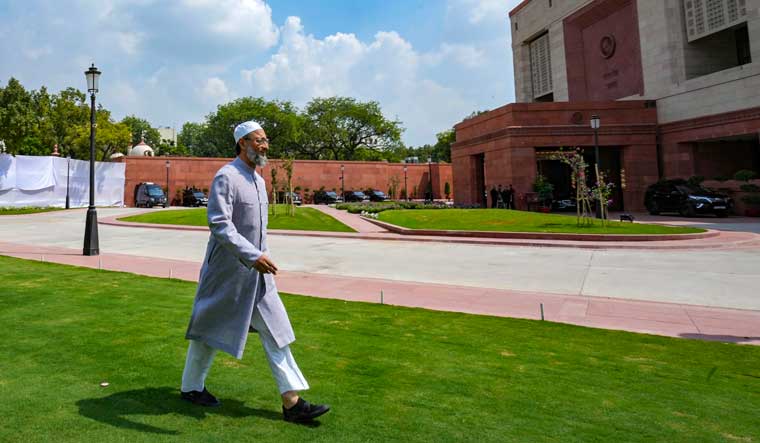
710 277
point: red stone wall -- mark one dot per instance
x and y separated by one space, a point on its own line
680 142
508 137
308 174
603 51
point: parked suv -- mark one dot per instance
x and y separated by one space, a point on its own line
376 196
686 199
355 196
148 195
327 197
285 197
194 197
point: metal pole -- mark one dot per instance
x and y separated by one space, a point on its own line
167 185
430 179
68 171
91 246
598 168
406 191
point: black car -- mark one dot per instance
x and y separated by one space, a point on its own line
327 197
194 197
149 195
686 199
286 197
376 196
355 196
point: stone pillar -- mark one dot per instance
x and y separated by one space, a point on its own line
640 165
677 160
523 172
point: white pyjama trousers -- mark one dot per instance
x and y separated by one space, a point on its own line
281 362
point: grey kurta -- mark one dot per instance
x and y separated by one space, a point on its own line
229 288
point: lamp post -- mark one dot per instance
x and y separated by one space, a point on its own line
595 124
342 181
430 178
68 171
406 191
91 227
168 165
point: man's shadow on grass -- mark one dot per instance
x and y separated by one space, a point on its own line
115 409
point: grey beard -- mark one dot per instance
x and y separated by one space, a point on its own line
256 158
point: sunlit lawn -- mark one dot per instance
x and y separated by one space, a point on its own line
515 221
390 373
305 219
25 210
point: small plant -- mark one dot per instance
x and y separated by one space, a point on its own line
745 175
695 180
544 189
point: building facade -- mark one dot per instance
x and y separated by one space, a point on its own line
676 84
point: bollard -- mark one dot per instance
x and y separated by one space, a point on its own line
381 296
542 312
100 263
171 272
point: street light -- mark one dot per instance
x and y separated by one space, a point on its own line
406 191
168 165
68 170
595 124
91 227
342 181
430 178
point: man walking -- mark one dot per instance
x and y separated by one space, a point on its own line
236 290
494 196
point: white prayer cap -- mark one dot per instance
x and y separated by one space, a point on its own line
245 128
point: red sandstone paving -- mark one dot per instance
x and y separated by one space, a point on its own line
648 317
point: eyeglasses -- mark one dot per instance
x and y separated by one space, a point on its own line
259 141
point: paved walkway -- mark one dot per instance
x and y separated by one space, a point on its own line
676 320
705 294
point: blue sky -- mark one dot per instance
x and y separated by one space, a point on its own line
428 63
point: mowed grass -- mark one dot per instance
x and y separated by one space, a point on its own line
306 219
390 373
21 211
515 221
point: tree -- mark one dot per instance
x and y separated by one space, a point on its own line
110 137
279 120
17 119
190 138
342 126
69 111
142 130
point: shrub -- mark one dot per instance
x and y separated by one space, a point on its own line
722 178
695 180
750 187
374 208
752 199
745 175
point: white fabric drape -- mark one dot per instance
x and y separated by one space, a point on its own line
42 181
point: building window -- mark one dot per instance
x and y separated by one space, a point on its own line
718 51
541 66
743 53
706 17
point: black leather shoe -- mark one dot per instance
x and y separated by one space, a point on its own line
200 398
252 330
303 411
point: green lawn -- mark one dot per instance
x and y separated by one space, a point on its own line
306 219
20 211
390 373
515 221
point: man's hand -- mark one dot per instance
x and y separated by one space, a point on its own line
265 266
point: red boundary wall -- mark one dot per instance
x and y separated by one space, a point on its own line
307 174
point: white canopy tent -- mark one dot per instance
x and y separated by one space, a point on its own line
41 182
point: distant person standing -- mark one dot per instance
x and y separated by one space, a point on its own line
508 195
494 196
499 198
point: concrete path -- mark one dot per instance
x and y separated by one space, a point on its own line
664 287
351 220
676 320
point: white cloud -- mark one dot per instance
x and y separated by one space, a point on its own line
215 91
129 42
249 20
479 11
35 53
387 69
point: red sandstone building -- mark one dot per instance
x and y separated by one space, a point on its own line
676 84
